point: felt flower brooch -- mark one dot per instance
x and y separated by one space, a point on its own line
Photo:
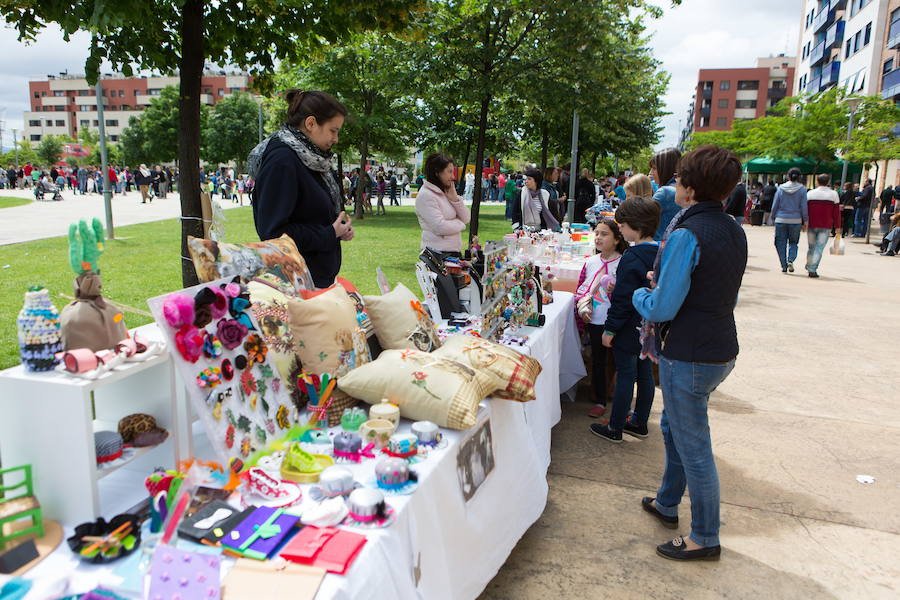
212 346
231 333
178 310
210 377
256 349
189 342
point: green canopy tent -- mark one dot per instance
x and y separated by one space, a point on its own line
772 166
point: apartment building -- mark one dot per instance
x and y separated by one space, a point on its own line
724 96
65 104
841 44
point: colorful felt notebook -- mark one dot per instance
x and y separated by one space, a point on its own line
213 520
260 533
179 574
327 547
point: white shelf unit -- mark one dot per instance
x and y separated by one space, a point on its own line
48 420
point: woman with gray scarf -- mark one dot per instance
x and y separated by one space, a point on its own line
297 191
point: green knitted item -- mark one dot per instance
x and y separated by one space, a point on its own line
85 246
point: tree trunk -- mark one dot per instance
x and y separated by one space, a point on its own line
545 141
363 156
479 159
594 165
190 71
461 184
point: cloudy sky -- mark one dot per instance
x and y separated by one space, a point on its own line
697 34
712 34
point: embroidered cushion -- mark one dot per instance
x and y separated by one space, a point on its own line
400 321
424 386
512 373
327 338
214 260
270 298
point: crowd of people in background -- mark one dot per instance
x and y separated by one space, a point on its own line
88 179
226 183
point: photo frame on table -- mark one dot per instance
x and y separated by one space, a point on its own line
223 361
475 459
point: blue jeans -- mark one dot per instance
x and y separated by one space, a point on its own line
689 457
630 369
859 221
787 236
817 239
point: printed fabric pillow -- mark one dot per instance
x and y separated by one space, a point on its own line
329 339
425 387
512 372
400 321
214 260
269 297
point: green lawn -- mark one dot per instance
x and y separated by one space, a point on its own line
145 262
10 201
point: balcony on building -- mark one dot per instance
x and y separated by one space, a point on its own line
823 20
817 54
890 84
705 112
707 94
777 93
835 35
838 4
830 74
812 86
894 35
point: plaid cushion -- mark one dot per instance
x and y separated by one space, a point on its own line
512 373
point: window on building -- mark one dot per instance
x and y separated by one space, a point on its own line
748 85
37 94
136 92
154 91
58 93
234 90
207 91
60 123
802 84
778 84
856 40
59 108
114 138
745 103
723 103
849 46
96 123
868 35
126 107
84 122
121 93
725 85
722 122
82 92
888 66
34 123
43 94
112 122
35 137
48 123
221 92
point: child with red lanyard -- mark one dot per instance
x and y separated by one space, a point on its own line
598 276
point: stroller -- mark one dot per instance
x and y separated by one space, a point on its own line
42 187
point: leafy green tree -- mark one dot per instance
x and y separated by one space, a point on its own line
231 130
181 35
133 143
50 149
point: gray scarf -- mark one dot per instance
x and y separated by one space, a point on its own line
309 154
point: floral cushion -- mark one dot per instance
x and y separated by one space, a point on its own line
512 373
400 321
425 387
270 296
328 338
214 260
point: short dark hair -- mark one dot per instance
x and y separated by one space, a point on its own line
823 179
794 174
665 162
536 175
641 214
434 164
711 171
321 105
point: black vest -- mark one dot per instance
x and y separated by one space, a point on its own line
704 330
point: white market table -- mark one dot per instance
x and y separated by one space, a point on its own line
440 546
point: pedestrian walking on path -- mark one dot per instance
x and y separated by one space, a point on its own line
824 208
695 298
789 214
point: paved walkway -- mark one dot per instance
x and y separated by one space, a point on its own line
812 403
50 219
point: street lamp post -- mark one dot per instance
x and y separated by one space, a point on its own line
853 103
16 146
104 164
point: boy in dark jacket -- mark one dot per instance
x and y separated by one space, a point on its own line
638 219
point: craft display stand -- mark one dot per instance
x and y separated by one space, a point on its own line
49 419
506 299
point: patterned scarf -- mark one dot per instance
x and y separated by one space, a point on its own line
649 330
309 154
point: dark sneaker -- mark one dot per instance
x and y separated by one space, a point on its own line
632 429
647 504
607 433
790 267
784 270
813 274
676 550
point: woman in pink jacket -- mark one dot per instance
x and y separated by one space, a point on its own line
442 214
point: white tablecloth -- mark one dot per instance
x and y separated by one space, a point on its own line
441 546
